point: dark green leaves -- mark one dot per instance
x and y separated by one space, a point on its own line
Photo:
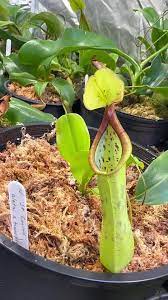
36 51
55 27
40 87
66 92
20 112
73 142
87 56
23 78
157 73
152 187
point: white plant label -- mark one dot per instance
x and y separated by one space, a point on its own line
8 47
18 210
86 79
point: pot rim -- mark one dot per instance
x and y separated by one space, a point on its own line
36 101
95 277
141 119
106 278
137 118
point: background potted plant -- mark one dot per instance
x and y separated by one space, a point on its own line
17 20
73 141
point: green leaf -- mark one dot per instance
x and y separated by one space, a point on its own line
11 26
36 51
77 5
87 56
73 141
103 89
4 12
17 40
23 78
83 23
55 27
22 113
65 90
159 39
134 161
40 87
13 65
151 16
147 44
157 73
152 185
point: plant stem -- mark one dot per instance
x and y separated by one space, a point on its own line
148 59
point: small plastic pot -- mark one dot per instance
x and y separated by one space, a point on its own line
142 131
56 110
26 276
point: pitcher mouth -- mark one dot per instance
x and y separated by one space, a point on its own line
110 118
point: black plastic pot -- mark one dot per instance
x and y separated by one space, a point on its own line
160 297
144 131
26 276
140 130
56 110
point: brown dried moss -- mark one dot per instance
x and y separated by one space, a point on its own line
64 226
49 96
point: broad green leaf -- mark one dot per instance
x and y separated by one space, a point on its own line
23 78
36 51
152 186
157 73
40 87
134 161
22 113
13 65
73 141
77 5
55 27
87 56
65 90
103 89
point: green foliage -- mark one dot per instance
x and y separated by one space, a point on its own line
36 51
87 56
79 6
152 185
73 142
40 77
20 112
151 16
17 20
158 31
134 161
54 26
66 91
